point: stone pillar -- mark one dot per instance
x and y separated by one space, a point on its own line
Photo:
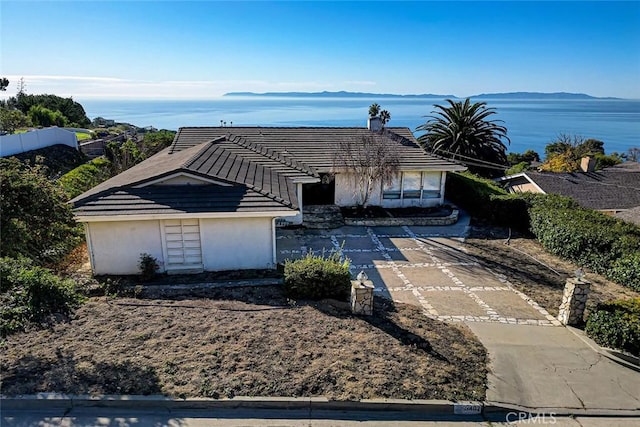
362 297
574 301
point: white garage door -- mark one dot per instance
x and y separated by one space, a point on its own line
182 243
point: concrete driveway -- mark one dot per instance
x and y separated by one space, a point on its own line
426 266
534 363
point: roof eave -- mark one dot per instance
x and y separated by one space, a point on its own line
185 215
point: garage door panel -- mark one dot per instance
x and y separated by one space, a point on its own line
183 246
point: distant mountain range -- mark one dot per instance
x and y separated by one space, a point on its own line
344 94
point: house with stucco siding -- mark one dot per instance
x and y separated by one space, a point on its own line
210 201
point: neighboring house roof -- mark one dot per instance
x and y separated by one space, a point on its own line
614 188
249 169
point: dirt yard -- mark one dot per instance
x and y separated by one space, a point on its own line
246 341
534 271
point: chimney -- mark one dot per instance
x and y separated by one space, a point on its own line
374 124
587 164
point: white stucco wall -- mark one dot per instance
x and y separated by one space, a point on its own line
348 194
116 246
227 244
237 243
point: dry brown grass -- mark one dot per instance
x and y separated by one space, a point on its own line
250 342
516 261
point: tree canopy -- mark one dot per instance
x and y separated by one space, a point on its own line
42 116
528 157
35 221
462 130
564 154
10 120
123 156
72 111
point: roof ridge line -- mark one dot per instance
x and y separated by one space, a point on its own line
271 154
175 141
192 159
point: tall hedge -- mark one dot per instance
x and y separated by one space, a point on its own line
589 238
484 199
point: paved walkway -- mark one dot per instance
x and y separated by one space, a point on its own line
554 368
427 266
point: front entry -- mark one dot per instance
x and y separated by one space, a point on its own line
321 193
183 251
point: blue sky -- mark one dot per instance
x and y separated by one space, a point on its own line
202 49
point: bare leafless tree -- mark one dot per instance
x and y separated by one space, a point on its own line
633 154
369 160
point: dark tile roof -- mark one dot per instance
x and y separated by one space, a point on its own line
220 160
265 161
173 199
607 189
314 147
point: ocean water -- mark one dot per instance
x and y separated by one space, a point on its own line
531 124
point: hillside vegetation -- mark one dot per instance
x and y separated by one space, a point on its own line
56 159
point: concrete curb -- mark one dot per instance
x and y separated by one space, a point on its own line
608 353
43 401
66 402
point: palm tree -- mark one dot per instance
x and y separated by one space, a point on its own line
374 109
463 131
385 116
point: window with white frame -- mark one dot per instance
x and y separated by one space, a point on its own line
414 185
393 189
431 183
411 185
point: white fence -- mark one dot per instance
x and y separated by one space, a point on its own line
21 142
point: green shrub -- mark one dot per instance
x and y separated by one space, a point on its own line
316 277
35 220
517 168
626 271
472 193
85 177
30 294
148 266
588 238
616 324
484 199
510 210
